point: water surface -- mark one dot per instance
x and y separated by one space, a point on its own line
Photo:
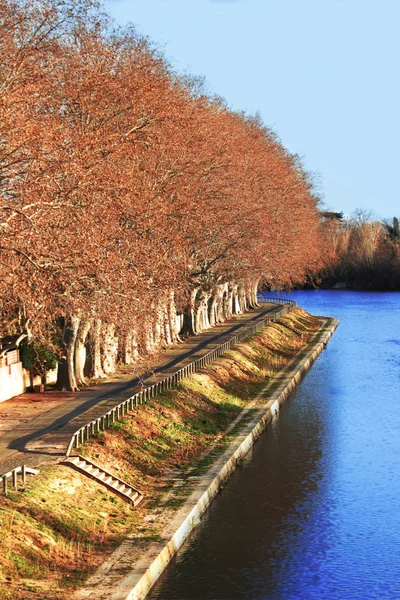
314 513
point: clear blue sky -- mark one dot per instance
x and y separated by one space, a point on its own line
324 74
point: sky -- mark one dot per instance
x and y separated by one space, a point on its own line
323 74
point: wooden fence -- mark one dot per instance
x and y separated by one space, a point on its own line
117 412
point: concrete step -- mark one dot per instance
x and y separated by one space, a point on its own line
135 497
111 482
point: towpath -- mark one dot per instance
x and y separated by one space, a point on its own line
36 428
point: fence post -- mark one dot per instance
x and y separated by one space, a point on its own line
14 478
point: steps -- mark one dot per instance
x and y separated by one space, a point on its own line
112 483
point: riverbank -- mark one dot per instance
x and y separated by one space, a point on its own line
64 526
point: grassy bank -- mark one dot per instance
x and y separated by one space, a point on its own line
57 531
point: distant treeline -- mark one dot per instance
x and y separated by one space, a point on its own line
366 252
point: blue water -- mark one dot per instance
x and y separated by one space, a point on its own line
315 511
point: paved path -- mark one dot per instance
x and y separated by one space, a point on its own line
44 438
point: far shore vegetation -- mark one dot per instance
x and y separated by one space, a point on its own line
366 252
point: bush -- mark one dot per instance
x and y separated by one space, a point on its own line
37 359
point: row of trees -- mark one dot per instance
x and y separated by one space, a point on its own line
134 206
366 252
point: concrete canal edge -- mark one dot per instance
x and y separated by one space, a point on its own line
249 426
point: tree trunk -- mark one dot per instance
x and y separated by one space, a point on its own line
98 372
148 331
206 320
110 349
66 380
80 352
212 309
130 348
157 327
201 312
166 333
174 320
220 307
179 326
252 295
226 304
242 300
189 327
235 301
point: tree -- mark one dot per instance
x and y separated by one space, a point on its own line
393 230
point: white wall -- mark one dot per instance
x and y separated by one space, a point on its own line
11 381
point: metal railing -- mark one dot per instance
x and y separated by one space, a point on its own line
13 475
278 301
85 432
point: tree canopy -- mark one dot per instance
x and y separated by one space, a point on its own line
124 187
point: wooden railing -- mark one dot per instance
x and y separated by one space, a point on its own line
117 412
13 475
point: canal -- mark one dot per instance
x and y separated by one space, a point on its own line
314 513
